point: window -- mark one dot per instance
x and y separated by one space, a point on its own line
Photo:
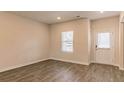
67 41
103 40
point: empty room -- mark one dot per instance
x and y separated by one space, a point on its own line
61 46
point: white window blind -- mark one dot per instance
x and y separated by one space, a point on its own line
67 41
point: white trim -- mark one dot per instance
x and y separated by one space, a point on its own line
116 65
121 68
83 63
70 61
21 65
108 64
52 58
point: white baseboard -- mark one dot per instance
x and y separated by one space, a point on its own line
70 61
121 68
21 65
108 64
25 64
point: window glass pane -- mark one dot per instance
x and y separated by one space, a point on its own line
67 36
103 40
67 41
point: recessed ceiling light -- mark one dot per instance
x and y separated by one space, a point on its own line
59 18
101 12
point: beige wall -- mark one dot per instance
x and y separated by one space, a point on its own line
80 28
106 24
22 41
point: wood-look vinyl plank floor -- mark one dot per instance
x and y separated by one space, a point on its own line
58 71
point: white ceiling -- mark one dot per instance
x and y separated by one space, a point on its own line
50 17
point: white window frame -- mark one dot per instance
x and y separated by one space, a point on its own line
64 41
